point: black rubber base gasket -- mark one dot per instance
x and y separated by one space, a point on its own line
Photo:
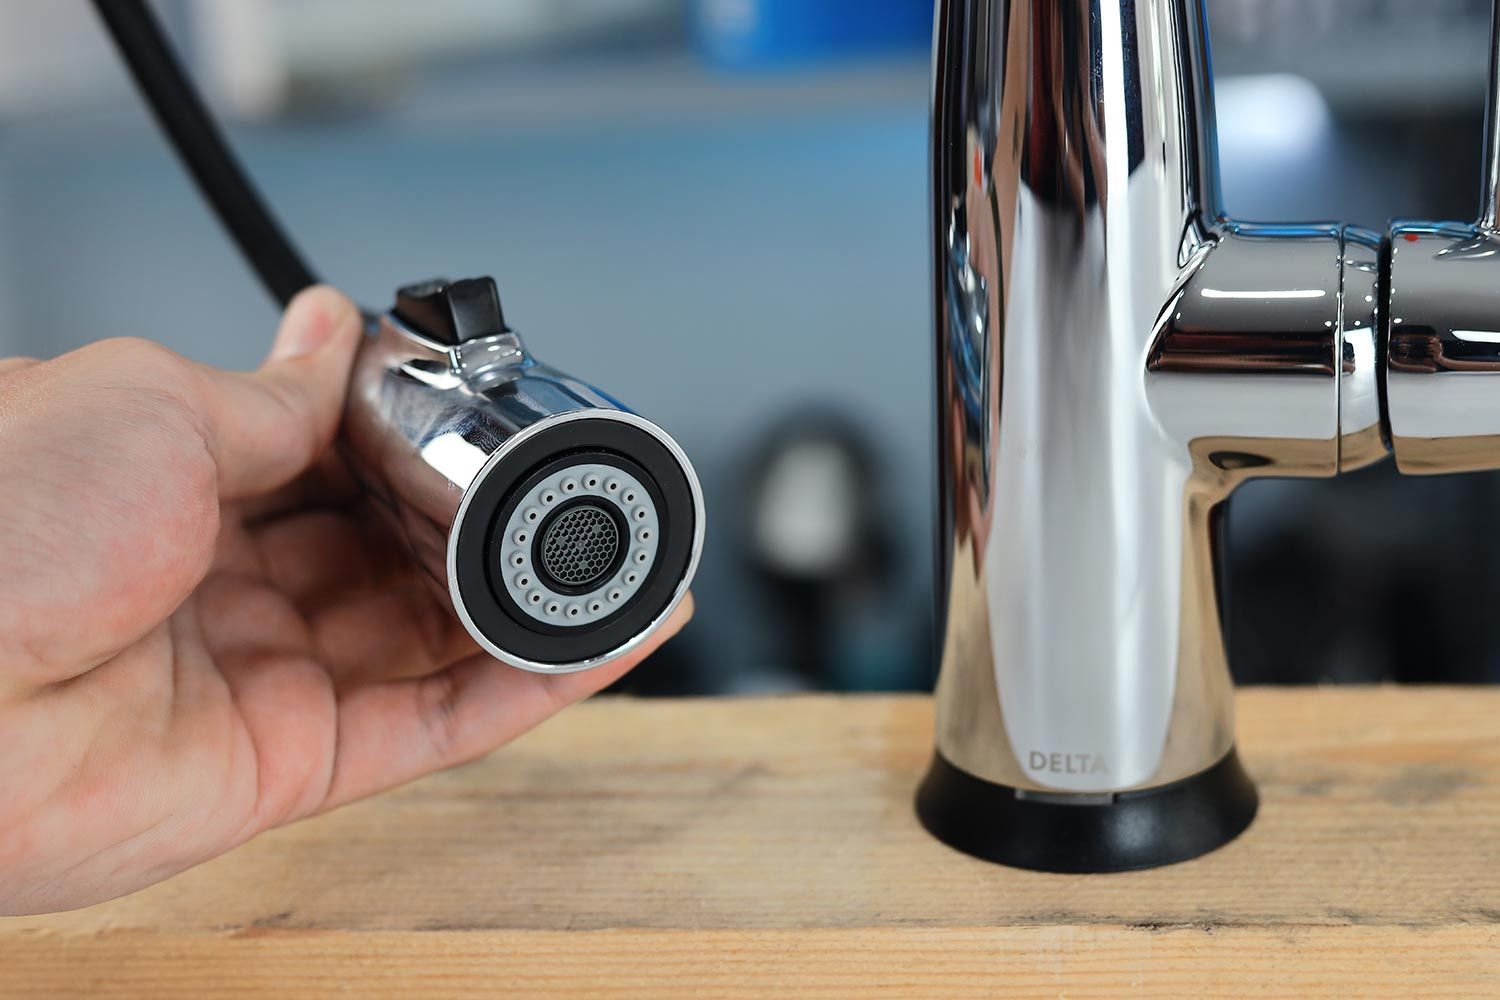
1140 829
608 442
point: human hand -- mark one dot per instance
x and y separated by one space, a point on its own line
203 632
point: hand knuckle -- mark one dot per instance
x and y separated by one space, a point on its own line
438 705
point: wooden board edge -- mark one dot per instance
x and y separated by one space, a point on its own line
939 962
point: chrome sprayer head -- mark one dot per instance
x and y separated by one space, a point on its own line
563 527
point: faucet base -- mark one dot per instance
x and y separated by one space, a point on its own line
1138 829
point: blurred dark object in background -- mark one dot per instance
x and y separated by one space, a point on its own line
734 246
817 532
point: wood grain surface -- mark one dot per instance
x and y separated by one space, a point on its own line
768 848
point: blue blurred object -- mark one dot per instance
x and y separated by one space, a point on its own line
770 33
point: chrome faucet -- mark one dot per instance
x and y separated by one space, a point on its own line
1114 356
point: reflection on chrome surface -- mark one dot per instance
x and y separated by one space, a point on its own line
417 451
1444 340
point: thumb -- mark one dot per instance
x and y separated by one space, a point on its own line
266 427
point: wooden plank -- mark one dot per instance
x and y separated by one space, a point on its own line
941 963
669 848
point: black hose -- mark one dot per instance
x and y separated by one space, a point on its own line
182 115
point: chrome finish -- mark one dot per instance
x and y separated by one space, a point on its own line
425 423
1114 357
419 450
1443 381
1489 200
1362 431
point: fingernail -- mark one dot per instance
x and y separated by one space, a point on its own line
310 322
683 614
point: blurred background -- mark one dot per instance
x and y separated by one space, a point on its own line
721 204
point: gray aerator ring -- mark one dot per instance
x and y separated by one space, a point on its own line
580 544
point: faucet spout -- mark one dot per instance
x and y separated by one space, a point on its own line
1114 356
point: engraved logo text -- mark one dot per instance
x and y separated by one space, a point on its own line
1067 763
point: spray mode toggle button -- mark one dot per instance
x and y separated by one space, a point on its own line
451 312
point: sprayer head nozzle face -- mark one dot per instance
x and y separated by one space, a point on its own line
575 543
581 540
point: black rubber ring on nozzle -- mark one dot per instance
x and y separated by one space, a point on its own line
477 559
